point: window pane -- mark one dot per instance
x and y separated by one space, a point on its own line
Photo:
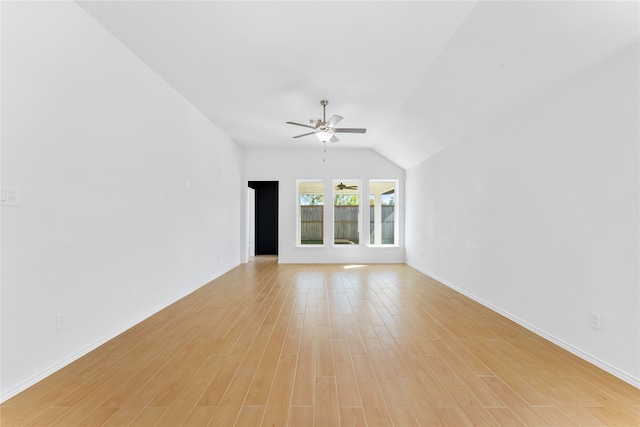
311 212
382 205
346 212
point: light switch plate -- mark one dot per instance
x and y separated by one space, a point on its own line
9 197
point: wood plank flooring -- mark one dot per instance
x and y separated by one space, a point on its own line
326 345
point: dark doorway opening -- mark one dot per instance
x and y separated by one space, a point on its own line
266 217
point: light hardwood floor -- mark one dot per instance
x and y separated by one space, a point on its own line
324 345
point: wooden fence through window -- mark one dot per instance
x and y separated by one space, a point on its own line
345 224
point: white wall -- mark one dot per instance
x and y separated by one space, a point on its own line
287 166
100 150
537 215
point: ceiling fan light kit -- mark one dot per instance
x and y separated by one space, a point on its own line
324 135
324 129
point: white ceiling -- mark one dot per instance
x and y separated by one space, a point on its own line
418 75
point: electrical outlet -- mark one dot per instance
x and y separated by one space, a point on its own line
595 320
62 321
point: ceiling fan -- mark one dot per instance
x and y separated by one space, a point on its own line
342 186
324 129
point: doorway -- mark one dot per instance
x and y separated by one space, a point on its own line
265 217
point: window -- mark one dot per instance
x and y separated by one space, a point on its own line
346 212
382 204
310 212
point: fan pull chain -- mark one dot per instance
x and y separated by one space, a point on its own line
324 155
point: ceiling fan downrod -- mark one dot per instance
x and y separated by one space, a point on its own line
324 103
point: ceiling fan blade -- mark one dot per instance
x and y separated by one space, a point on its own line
334 139
300 124
351 187
333 121
304 134
349 130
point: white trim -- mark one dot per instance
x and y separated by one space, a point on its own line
72 358
396 213
624 376
333 212
298 212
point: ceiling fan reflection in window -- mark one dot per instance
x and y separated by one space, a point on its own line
342 186
324 129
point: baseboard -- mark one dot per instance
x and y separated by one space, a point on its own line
72 358
339 262
624 376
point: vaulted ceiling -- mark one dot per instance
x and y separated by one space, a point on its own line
419 76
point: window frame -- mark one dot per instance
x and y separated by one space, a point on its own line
396 215
299 243
334 193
